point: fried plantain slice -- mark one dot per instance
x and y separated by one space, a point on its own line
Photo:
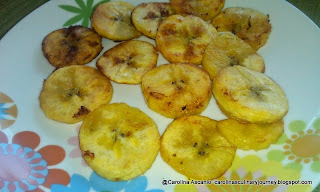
183 39
193 146
71 92
174 90
229 50
147 17
112 20
128 61
75 45
249 96
205 9
248 24
119 142
250 135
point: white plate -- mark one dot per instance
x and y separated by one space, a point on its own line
39 153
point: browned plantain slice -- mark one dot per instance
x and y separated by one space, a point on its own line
248 24
147 17
75 45
71 92
249 135
128 62
205 9
112 20
174 90
193 146
183 39
228 50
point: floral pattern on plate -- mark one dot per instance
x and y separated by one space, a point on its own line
79 183
300 146
76 152
24 167
8 111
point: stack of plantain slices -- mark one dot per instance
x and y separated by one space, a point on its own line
209 51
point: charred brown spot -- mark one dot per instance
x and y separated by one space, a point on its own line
73 48
157 95
181 162
174 155
70 30
169 30
164 12
88 154
249 23
184 107
189 53
82 111
46 55
233 29
201 153
198 106
195 144
87 57
93 44
129 134
151 15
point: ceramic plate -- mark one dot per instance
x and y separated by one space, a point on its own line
40 154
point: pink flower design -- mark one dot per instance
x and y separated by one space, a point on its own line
23 168
76 152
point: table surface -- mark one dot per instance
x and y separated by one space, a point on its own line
13 11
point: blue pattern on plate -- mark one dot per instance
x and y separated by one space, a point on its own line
79 183
2 111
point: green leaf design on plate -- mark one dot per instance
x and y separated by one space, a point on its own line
294 165
83 12
81 4
282 139
316 124
297 125
276 155
315 166
70 8
73 20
